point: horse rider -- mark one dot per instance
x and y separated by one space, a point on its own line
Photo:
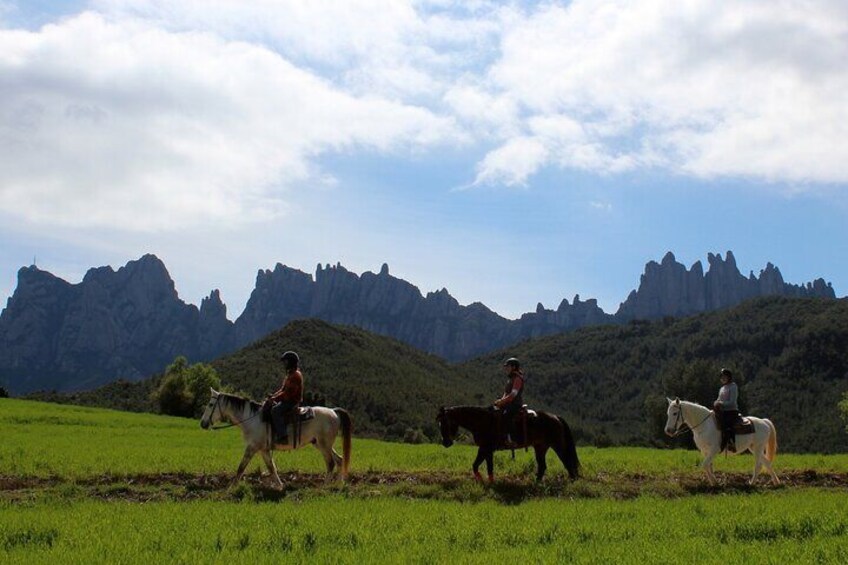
513 397
727 409
288 397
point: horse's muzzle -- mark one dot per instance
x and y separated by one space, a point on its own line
447 442
204 424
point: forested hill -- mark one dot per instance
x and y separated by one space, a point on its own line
790 357
388 386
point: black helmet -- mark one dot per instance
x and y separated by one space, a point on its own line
726 373
290 360
513 362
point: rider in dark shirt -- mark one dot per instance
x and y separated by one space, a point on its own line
513 397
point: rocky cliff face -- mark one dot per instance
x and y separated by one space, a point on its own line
386 305
131 323
669 289
126 324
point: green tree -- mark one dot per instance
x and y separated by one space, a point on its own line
184 389
843 408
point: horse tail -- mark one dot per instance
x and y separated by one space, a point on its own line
771 446
572 463
347 430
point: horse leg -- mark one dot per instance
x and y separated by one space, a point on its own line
541 465
249 452
272 468
560 452
707 465
490 464
337 459
481 455
329 459
774 479
758 463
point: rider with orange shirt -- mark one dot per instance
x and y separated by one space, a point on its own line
289 396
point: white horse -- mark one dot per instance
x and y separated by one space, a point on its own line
246 414
702 421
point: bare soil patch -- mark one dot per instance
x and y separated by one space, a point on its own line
453 486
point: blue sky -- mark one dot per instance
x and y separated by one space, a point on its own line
513 153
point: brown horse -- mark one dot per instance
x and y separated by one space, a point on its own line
544 431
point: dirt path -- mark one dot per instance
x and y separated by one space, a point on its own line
440 485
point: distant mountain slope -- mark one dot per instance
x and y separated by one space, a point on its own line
790 355
610 382
387 386
131 323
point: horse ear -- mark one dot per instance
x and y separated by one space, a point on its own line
677 400
669 400
213 392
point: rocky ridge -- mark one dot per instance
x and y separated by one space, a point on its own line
131 323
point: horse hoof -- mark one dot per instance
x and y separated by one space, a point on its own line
478 477
491 479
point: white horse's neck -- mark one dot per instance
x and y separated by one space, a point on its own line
694 414
236 409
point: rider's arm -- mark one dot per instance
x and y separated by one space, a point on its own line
727 396
277 395
722 397
292 389
517 383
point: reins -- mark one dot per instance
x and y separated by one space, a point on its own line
678 430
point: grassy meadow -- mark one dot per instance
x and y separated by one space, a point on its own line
91 485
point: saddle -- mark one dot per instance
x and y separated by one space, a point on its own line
519 428
741 426
294 418
303 413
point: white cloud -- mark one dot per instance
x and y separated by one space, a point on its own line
151 114
121 124
398 48
752 89
512 163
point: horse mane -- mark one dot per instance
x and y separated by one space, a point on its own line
694 404
469 408
239 402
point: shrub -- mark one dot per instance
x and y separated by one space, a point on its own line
184 389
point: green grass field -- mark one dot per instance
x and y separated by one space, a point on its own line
89 485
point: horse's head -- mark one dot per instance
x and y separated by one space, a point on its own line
212 414
675 416
447 426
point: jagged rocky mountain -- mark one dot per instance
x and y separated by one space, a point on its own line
669 289
131 323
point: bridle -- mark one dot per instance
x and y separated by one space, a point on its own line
445 424
679 423
231 424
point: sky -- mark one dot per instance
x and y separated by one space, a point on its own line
511 152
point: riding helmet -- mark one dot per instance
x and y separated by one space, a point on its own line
290 359
727 373
513 362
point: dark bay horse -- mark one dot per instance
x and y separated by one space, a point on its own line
544 431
